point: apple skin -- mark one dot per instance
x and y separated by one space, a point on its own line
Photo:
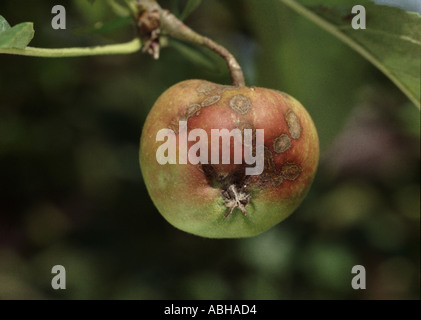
193 198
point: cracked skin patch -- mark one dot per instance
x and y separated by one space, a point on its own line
294 124
240 104
282 143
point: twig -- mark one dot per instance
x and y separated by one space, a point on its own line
153 19
121 48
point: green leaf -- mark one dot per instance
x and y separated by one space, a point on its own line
107 27
92 11
118 8
194 55
391 40
4 25
189 8
17 37
114 24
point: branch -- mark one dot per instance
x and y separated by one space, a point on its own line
153 19
121 48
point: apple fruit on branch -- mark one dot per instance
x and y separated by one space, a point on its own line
212 195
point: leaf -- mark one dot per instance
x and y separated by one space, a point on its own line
408 5
4 25
92 11
107 27
17 37
119 9
115 24
189 8
194 55
391 40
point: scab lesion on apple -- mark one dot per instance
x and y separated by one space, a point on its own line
282 143
192 109
240 104
293 124
291 171
210 101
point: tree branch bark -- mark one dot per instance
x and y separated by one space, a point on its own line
150 26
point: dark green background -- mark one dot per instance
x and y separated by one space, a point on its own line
71 191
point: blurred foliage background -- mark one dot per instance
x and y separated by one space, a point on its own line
71 191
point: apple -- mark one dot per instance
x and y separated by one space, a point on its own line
216 195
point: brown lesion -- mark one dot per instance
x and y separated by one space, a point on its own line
269 166
294 124
192 109
291 171
206 88
240 104
210 101
174 125
282 143
269 173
